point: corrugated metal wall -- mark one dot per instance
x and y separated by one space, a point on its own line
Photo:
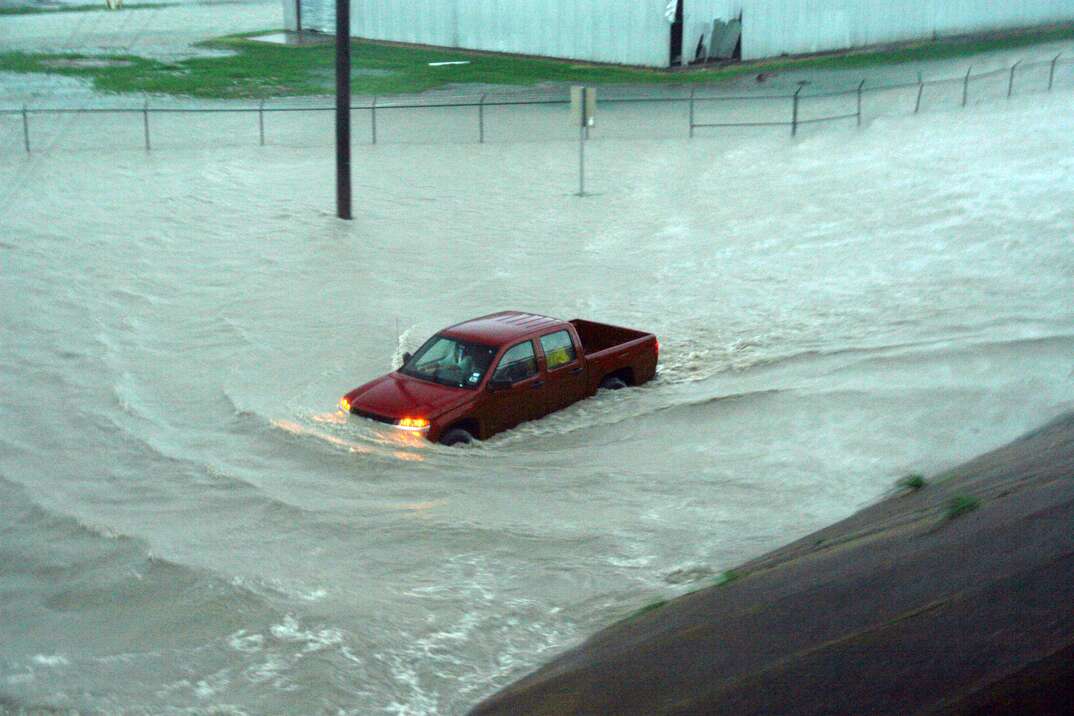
636 32
630 32
775 27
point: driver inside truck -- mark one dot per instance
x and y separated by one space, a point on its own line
473 361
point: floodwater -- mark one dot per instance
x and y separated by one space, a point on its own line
188 527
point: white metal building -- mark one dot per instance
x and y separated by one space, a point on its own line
655 32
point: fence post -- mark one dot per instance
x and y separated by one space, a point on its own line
920 90
862 84
1051 73
481 120
966 86
261 121
373 119
1010 83
145 121
692 90
794 113
25 129
581 150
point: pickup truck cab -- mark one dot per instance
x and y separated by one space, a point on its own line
480 377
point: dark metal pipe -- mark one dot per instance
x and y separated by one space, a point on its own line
343 109
746 124
481 120
821 120
1010 83
145 118
373 120
692 90
794 113
859 101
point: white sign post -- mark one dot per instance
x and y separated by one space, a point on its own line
583 114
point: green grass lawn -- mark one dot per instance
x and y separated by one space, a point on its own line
99 7
259 70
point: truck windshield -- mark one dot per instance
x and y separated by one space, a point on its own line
450 362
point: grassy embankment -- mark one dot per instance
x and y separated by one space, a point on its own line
258 70
889 609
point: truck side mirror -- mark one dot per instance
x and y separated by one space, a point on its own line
406 358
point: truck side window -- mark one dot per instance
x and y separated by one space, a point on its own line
558 349
518 363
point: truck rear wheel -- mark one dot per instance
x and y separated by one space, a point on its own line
612 383
456 436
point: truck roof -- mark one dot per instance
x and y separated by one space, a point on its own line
497 329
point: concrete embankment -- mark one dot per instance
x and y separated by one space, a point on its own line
952 598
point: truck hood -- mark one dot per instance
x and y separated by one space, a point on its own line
398 396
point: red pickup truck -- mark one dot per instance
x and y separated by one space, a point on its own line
482 376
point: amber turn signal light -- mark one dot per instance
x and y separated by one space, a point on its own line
413 423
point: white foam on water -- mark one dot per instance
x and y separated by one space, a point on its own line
247 643
50 660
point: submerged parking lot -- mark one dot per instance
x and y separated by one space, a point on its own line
833 313
190 526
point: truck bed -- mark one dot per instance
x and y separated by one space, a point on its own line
598 337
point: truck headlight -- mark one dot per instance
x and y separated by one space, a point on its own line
413 423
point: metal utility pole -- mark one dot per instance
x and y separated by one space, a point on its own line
583 111
343 109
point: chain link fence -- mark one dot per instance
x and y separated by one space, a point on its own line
650 113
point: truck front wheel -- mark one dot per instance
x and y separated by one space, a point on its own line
612 383
456 436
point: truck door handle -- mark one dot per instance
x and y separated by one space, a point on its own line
537 384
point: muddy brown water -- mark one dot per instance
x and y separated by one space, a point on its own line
187 527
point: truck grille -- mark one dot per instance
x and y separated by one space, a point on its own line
373 416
